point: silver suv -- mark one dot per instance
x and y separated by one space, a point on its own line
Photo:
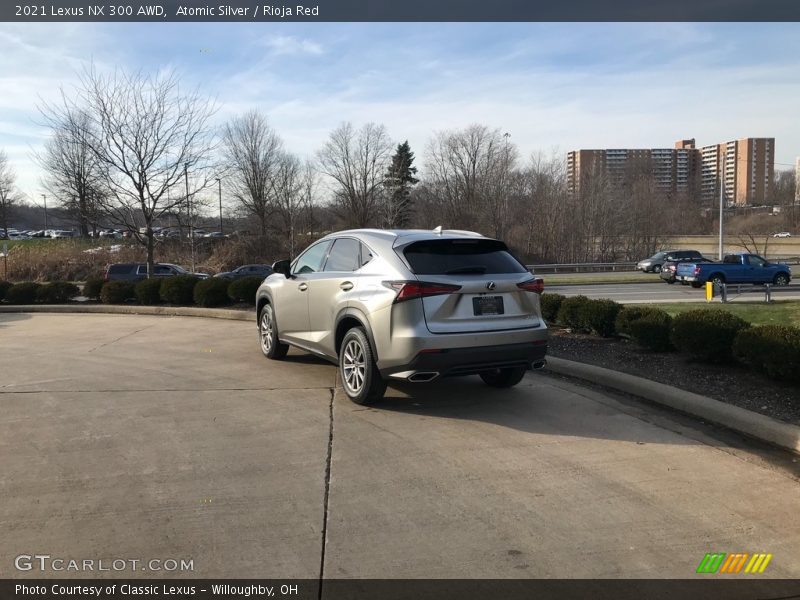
406 305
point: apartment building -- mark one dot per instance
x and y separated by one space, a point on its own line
745 167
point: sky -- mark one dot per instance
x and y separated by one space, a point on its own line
553 87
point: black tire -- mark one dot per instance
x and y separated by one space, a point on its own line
361 380
504 378
670 281
697 284
717 279
656 268
271 346
781 279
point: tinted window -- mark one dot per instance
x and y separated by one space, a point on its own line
160 270
658 255
120 269
366 255
311 260
757 261
461 257
343 256
732 259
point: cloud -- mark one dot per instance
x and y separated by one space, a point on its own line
289 45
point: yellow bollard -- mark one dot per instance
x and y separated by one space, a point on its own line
709 291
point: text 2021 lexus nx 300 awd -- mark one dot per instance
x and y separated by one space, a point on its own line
406 305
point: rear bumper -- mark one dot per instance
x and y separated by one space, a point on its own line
468 361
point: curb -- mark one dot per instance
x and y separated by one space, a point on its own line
752 424
169 311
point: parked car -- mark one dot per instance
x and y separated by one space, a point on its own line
671 260
406 305
62 233
735 268
782 234
262 271
215 235
138 271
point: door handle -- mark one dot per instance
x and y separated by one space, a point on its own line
302 287
346 285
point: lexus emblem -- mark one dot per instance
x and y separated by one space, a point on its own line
490 286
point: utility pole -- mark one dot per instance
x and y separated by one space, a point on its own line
219 181
44 197
189 204
721 206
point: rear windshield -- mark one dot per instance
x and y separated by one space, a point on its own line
461 257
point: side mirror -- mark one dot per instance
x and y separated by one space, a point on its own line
283 267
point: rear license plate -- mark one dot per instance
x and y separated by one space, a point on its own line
488 305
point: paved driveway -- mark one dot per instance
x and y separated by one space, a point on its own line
164 437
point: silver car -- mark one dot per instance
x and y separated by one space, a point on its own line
406 305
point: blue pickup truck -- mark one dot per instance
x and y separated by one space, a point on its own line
735 268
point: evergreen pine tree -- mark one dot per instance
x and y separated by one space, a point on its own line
398 182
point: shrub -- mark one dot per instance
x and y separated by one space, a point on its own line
652 330
57 292
707 334
4 287
117 292
599 316
212 292
148 291
244 289
178 289
570 312
774 349
550 304
630 313
92 288
22 293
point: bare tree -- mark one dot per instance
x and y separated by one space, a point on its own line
9 196
356 161
72 170
146 135
253 153
469 174
293 190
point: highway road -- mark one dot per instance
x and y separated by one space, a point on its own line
155 437
663 292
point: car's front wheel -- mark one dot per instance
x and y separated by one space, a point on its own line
656 268
271 346
504 378
781 279
361 380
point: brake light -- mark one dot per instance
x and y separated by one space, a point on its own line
535 285
408 290
697 270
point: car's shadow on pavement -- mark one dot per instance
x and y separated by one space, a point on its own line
6 318
538 405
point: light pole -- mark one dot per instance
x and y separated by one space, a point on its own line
219 181
721 206
189 205
44 197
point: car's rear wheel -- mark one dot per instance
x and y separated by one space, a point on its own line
361 380
781 279
271 346
504 378
656 268
717 279
670 281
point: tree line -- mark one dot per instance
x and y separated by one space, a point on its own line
130 148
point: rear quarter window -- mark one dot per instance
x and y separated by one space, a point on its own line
461 257
120 269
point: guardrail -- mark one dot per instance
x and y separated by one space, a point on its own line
582 267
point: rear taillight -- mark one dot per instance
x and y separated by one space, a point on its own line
532 285
697 270
408 290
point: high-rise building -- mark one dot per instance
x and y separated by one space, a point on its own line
797 181
745 167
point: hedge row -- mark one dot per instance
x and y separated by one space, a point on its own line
706 334
180 290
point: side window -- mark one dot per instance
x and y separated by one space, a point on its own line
310 261
366 256
160 270
757 261
343 256
142 270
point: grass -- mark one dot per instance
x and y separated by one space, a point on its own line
778 312
589 278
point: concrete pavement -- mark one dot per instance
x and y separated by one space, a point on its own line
151 437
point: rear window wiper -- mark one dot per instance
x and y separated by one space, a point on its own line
467 270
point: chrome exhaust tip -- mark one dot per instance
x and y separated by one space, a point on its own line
423 376
539 365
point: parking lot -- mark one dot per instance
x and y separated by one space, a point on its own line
143 437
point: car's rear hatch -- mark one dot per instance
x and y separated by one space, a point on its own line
485 278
